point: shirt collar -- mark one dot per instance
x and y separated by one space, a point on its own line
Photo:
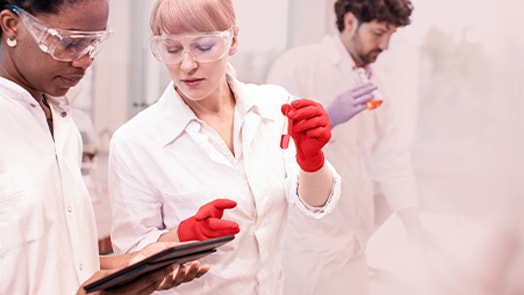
14 91
61 103
248 101
173 114
346 58
11 90
336 51
339 55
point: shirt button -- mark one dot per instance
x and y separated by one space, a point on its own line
69 209
33 105
81 266
63 114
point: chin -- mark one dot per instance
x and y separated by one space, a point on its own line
58 92
372 58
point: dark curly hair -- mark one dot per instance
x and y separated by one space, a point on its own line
395 12
36 6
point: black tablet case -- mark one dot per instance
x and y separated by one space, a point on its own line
178 254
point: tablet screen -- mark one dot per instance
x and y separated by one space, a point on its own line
177 254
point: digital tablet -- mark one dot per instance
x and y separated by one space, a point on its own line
177 254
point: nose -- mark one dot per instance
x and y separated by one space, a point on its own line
188 61
83 62
384 43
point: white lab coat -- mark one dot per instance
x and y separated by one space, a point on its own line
49 238
165 163
365 151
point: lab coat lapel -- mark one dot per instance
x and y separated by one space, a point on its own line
248 113
341 58
252 163
249 129
202 141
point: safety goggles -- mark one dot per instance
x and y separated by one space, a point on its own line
62 45
169 49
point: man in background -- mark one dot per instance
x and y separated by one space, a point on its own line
366 147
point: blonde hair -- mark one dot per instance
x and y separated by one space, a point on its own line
191 16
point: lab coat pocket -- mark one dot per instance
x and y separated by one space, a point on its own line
21 219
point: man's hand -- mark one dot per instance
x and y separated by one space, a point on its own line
349 103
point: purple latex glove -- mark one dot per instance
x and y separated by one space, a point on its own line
349 103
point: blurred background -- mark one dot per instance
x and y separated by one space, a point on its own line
456 75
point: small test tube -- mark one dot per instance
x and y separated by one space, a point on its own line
285 137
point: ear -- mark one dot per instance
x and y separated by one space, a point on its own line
9 22
350 22
234 42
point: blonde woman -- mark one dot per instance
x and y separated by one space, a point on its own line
205 160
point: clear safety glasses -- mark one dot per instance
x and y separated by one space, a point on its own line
169 49
62 45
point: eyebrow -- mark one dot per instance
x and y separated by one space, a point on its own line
388 28
379 30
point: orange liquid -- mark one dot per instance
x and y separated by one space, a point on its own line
373 104
284 141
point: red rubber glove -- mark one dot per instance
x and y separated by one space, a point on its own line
308 125
207 223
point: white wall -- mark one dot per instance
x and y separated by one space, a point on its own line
262 36
112 73
468 140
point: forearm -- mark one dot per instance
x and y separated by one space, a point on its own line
169 236
315 187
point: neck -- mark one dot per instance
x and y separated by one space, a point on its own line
220 102
46 107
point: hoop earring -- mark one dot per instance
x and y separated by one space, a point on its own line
11 41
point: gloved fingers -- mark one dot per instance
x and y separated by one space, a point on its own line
215 227
307 124
360 107
363 99
363 89
216 224
309 117
285 109
214 209
303 102
320 133
222 204
304 111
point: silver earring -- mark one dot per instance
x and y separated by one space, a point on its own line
11 41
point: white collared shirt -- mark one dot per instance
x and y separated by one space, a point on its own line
165 163
47 223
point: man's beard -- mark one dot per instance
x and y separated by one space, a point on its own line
371 56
